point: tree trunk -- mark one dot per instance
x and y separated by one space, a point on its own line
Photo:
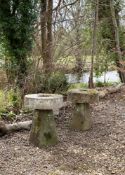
43 31
79 64
49 36
94 43
46 35
117 42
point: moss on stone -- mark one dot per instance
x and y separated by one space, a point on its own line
81 117
43 132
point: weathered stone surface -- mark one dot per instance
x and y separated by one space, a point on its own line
83 96
81 117
43 101
43 131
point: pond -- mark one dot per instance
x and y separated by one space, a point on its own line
110 76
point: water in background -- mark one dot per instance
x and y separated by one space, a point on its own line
110 76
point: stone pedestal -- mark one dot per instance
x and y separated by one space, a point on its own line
81 114
81 117
43 131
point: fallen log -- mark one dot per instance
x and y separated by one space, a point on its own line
110 90
7 128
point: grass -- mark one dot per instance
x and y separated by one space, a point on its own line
105 84
97 84
78 86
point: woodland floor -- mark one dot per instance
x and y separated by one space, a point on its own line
99 151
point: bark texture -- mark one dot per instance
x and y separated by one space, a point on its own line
94 44
119 58
46 34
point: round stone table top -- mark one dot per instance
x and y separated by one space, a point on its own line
83 95
43 101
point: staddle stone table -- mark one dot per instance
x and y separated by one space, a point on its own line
82 98
43 131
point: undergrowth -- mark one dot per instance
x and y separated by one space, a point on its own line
10 103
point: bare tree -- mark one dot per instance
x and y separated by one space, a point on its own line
117 42
46 34
94 43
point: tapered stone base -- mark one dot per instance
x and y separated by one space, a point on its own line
43 131
81 117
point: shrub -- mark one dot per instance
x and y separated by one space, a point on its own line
103 84
55 83
78 85
14 99
10 103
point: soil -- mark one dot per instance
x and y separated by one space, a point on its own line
99 151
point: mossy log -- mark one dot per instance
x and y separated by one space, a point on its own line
111 90
81 117
43 131
7 128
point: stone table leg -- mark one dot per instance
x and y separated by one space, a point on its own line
81 117
43 131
